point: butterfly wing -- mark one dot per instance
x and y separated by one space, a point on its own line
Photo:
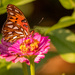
16 25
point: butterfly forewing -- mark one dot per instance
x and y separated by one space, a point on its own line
16 25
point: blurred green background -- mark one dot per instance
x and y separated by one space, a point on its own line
60 59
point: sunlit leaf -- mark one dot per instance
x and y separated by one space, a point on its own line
4 4
63 22
16 2
68 4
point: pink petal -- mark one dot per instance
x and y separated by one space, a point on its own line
37 36
10 58
37 59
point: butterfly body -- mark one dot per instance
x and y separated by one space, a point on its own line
16 25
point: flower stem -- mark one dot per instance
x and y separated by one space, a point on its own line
24 66
32 67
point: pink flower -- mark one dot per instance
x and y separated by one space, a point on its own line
34 46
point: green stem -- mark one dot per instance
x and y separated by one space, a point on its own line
32 67
24 66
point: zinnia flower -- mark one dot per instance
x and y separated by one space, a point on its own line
34 46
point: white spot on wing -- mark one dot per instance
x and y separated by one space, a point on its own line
10 8
22 35
10 26
11 13
3 38
18 32
22 29
4 30
26 32
16 11
10 33
14 37
15 28
9 22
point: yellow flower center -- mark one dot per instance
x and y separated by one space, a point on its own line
27 46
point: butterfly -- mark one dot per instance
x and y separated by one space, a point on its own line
16 25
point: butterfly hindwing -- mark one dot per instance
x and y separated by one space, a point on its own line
16 25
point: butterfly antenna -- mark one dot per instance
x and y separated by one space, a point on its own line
41 20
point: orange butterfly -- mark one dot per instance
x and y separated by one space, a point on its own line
16 25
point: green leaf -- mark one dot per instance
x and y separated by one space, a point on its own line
63 22
16 69
41 30
4 67
15 2
4 3
0 37
68 4
2 10
64 41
